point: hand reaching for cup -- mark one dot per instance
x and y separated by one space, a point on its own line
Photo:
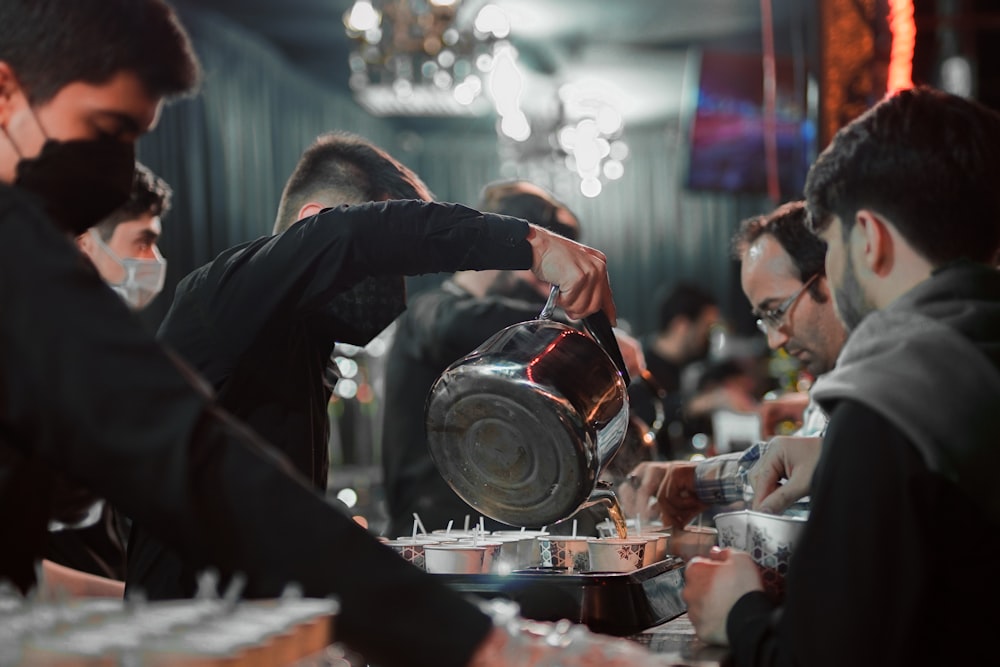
789 458
713 585
671 483
518 642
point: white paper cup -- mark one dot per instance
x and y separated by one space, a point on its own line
491 559
510 554
692 541
613 554
530 554
450 558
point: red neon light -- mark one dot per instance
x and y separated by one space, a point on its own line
904 37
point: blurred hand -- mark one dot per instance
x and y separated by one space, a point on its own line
637 494
713 585
677 496
580 271
784 408
635 360
792 458
671 483
523 643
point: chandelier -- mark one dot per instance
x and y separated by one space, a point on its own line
580 142
424 57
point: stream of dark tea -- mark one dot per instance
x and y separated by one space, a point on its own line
617 516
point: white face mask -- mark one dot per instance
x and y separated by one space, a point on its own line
144 278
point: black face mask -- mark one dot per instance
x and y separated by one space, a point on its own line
81 181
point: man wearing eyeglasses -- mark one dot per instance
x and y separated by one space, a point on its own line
783 277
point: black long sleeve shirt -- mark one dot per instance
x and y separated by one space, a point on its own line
86 392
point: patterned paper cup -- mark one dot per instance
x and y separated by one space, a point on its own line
410 549
612 554
770 540
569 552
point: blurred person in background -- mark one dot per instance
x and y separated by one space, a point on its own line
90 395
122 247
686 316
783 277
905 198
442 325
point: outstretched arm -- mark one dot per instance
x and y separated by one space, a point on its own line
784 472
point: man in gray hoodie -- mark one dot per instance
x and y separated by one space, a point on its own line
904 524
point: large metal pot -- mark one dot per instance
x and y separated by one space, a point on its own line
522 427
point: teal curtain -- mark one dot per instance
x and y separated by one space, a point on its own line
228 150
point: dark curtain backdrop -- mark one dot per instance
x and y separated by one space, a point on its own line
227 152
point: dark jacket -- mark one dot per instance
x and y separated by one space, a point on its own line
258 323
899 552
86 391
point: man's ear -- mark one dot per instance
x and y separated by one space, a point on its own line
309 210
85 242
877 249
9 86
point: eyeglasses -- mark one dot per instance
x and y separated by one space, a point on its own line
773 318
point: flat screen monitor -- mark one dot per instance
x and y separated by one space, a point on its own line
726 127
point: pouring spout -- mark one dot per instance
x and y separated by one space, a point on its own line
603 494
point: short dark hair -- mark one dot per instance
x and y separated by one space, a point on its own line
523 199
789 225
684 300
150 195
52 43
927 161
341 165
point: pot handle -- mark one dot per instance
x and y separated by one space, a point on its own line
598 326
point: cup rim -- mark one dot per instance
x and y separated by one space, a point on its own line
618 540
407 542
792 518
449 546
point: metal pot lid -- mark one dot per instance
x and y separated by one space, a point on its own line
513 451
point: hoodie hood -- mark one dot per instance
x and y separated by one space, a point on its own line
930 364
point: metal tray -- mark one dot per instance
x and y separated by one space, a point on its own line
607 602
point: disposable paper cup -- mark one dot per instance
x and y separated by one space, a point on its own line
692 541
567 551
613 554
510 554
410 549
491 559
656 548
454 558
770 540
530 553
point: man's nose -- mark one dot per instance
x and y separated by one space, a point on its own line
777 337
